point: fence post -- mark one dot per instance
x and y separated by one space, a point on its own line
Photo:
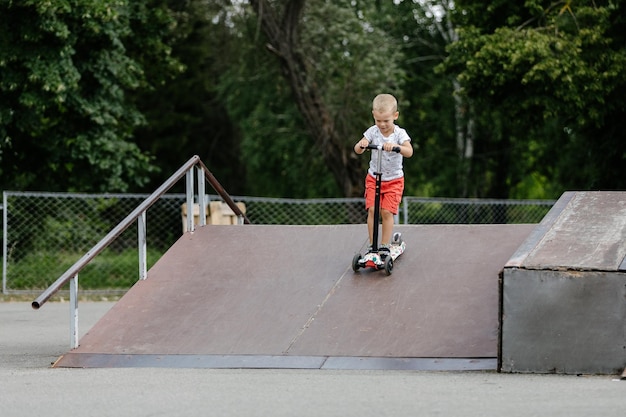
4 242
405 210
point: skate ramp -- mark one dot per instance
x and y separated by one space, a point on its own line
259 296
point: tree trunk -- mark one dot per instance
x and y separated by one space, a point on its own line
283 41
465 126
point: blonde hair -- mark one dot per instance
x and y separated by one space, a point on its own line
385 103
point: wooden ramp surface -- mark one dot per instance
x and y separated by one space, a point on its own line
286 297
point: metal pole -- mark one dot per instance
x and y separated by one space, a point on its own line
202 205
74 312
189 190
142 246
222 193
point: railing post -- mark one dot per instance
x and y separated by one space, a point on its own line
202 204
74 312
189 190
142 245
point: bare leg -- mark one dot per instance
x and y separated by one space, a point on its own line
387 217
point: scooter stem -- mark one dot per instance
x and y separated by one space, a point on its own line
379 176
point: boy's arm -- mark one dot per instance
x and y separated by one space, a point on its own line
406 149
360 146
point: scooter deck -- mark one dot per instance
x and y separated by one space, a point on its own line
397 249
375 261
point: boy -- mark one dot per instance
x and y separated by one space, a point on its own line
385 133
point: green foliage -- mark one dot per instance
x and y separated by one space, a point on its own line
523 71
428 108
353 58
91 88
65 72
184 116
554 79
279 155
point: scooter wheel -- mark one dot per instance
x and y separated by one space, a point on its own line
397 238
356 262
388 265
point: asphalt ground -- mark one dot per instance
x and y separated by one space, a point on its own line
31 340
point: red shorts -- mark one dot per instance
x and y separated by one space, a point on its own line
390 193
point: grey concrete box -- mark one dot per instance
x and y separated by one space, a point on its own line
564 290
568 322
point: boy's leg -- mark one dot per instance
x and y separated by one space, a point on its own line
388 221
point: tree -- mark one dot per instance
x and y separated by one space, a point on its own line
184 114
319 48
65 73
440 121
549 82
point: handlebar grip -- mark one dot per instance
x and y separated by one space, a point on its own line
395 149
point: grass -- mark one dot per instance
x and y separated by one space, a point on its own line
109 270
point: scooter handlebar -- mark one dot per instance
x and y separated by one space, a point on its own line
395 149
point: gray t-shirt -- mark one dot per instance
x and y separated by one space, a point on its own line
391 165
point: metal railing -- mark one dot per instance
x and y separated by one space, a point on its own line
139 215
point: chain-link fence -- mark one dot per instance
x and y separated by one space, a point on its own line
46 233
473 211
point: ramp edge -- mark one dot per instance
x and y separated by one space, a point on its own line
94 360
536 236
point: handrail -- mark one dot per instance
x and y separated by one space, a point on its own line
117 230
132 217
220 190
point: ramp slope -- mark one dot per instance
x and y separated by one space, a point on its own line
286 296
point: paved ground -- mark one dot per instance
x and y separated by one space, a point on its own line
31 340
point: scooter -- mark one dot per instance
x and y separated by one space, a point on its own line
373 259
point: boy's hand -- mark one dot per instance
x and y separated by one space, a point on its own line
388 146
360 146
